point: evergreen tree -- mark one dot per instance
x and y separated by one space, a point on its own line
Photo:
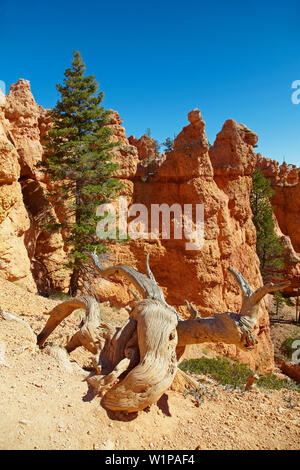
157 148
78 161
279 301
168 143
268 245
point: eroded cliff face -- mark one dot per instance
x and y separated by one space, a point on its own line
28 254
14 220
285 181
218 177
194 174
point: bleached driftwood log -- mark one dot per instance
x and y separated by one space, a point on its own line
135 364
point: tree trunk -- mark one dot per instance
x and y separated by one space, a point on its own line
73 288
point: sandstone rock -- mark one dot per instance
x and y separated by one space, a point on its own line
2 98
45 248
9 166
23 124
195 117
285 181
290 369
115 124
291 259
126 157
23 114
145 146
125 154
14 261
232 152
189 158
14 221
44 123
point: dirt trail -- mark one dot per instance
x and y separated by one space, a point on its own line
44 406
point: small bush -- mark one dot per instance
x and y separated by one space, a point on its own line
234 374
272 382
226 372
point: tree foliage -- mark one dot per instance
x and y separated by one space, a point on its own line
78 160
168 144
268 245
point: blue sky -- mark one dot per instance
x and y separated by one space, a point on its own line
157 60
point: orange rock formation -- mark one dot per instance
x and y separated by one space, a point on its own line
218 177
193 174
26 249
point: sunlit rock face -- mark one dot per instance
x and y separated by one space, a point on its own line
24 244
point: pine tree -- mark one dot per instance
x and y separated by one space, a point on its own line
279 301
78 161
268 245
168 143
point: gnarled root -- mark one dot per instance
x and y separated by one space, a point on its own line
101 383
88 334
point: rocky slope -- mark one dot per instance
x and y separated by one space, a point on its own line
46 404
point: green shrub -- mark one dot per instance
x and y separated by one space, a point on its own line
221 369
200 394
272 382
234 374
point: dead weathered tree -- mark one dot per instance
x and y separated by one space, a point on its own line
135 364
228 327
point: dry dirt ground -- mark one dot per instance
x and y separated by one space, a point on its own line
43 405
